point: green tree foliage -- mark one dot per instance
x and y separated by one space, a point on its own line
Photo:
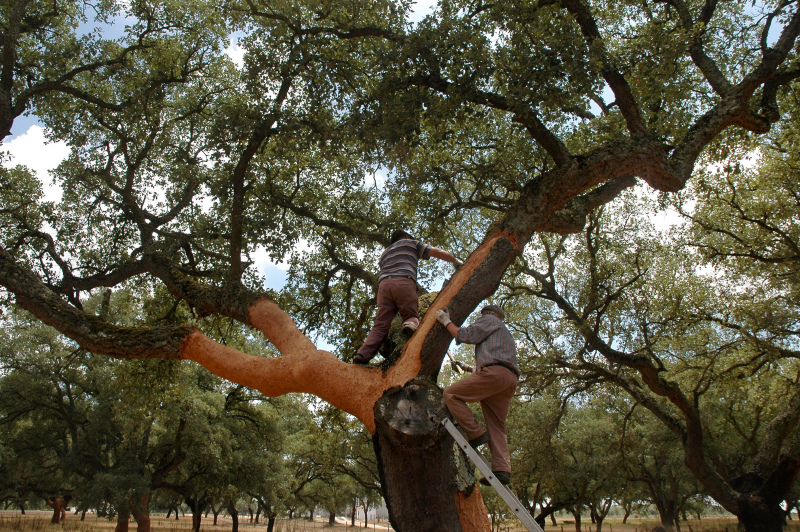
656 318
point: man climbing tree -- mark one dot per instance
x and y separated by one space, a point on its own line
397 289
495 121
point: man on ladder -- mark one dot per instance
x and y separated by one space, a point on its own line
492 382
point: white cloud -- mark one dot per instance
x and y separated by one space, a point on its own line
32 149
375 179
236 53
421 9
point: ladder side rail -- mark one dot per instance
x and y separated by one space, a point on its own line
506 494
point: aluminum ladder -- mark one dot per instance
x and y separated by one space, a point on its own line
508 496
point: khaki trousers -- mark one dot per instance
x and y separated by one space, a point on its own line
494 387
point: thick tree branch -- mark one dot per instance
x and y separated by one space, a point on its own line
616 81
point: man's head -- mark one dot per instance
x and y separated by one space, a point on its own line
400 234
494 310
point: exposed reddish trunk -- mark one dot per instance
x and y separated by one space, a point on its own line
141 512
59 505
123 519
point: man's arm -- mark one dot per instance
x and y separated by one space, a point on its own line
445 255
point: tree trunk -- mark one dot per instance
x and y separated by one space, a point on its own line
58 504
141 512
123 519
234 516
83 514
365 515
196 519
757 515
577 515
428 484
271 523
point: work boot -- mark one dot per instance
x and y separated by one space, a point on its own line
409 326
360 359
480 440
503 476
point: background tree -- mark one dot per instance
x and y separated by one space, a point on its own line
631 310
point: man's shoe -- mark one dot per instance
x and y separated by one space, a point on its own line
359 359
480 440
409 327
503 476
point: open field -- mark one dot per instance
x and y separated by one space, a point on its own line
40 521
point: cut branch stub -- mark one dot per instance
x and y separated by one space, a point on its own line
410 415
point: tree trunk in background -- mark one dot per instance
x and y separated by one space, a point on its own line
197 505
234 515
577 515
428 483
123 519
331 518
58 504
271 523
141 512
757 515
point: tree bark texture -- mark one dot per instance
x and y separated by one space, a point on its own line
234 513
140 509
427 481
59 505
123 521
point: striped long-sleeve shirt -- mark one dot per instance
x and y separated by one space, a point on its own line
402 258
493 342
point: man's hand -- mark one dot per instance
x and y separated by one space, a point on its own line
458 365
458 263
443 317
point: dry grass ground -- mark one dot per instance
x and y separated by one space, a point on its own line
40 521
